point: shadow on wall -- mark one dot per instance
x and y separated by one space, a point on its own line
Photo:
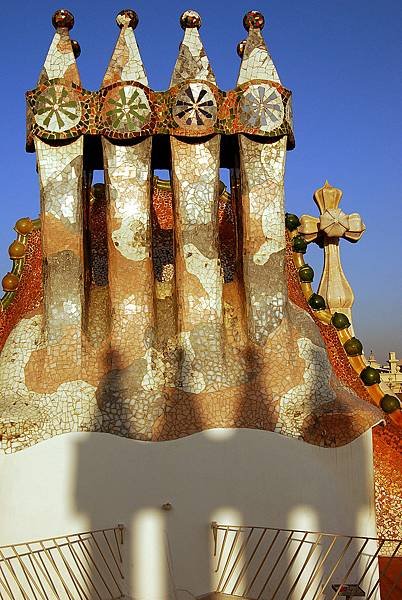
236 477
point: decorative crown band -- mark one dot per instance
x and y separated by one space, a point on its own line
128 110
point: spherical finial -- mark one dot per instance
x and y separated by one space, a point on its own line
240 48
76 48
63 18
190 19
253 20
24 226
16 250
389 403
127 18
10 282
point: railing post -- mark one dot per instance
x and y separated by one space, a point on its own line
121 528
214 527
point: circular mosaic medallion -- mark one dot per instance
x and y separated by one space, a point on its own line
195 107
58 109
261 107
126 109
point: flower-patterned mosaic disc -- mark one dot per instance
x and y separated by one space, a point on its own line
58 109
195 107
127 109
261 107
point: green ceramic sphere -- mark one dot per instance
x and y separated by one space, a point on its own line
340 321
291 221
299 244
306 274
390 403
370 376
317 302
353 347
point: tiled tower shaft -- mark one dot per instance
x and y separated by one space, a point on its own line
195 178
262 173
61 183
61 179
128 187
262 166
199 279
131 279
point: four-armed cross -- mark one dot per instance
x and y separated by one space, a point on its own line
326 230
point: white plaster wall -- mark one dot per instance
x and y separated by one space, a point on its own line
83 481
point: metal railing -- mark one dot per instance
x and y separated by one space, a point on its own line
266 563
80 566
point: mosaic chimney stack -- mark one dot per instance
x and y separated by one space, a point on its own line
60 170
262 180
128 186
170 307
195 178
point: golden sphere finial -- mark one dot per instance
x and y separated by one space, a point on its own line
253 20
127 18
63 18
190 19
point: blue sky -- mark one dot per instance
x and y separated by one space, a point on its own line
342 59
